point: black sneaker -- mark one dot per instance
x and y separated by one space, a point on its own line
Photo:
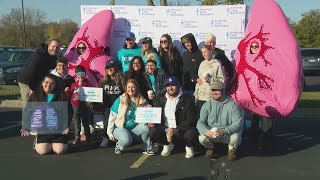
76 140
149 152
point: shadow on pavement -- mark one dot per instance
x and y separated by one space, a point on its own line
147 176
10 123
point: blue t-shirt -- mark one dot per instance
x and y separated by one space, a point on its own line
130 118
50 97
125 56
152 79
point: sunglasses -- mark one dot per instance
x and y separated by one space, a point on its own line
164 41
81 48
254 47
80 74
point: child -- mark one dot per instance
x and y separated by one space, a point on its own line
48 91
80 108
209 70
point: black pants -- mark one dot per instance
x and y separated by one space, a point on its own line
105 120
190 136
80 114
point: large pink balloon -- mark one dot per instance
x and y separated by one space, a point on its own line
96 35
269 82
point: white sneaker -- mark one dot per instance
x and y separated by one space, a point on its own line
189 152
166 151
104 143
82 130
91 129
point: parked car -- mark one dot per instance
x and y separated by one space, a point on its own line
8 48
311 60
11 62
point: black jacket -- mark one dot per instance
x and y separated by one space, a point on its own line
37 67
172 67
185 112
191 62
160 79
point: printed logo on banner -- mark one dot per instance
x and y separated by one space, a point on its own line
119 10
219 23
189 24
89 10
160 23
131 23
234 35
200 35
174 12
142 34
235 10
146 11
204 12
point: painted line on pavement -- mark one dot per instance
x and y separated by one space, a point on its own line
140 161
9 127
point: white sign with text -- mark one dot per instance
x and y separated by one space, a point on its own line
91 94
148 115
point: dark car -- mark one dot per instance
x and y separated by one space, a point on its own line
11 62
8 48
311 60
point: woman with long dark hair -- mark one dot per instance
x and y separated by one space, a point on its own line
170 57
48 91
136 71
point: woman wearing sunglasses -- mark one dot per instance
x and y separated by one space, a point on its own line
81 48
170 57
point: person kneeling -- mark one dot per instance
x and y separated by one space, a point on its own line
220 121
122 127
178 119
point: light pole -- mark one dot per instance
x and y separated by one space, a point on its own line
24 26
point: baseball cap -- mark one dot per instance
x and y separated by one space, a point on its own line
130 35
216 85
146 40
110 64
172 81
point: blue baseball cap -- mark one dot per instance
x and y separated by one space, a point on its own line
172 81
130 35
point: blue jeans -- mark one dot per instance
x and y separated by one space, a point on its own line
125 137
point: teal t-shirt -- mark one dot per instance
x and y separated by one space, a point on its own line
130 118
144 58
152 79
125 55
50 97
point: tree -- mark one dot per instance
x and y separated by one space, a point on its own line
12 27
216 2
64 31
179 3
307 30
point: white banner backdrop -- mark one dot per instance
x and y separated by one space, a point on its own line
227 23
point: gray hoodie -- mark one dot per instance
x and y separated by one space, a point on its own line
223 115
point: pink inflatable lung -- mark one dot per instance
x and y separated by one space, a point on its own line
96 35
269 78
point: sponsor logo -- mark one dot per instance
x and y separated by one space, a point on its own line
142 34
160 23
90 10
200 36
131 22
189 24
204 12
146 11
174 12
235 10
219 23
119 10
234 35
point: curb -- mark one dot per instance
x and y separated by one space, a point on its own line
11 104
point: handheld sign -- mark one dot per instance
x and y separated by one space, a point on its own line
148 115
91 94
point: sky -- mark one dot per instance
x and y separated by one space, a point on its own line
70 9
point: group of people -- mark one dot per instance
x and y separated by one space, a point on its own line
192 89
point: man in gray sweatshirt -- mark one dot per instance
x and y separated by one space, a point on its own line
220 121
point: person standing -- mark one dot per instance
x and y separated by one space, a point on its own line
129 50
147 49
192 57
39 65
170 57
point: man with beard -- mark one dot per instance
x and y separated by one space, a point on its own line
178 119
220 121
37 67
